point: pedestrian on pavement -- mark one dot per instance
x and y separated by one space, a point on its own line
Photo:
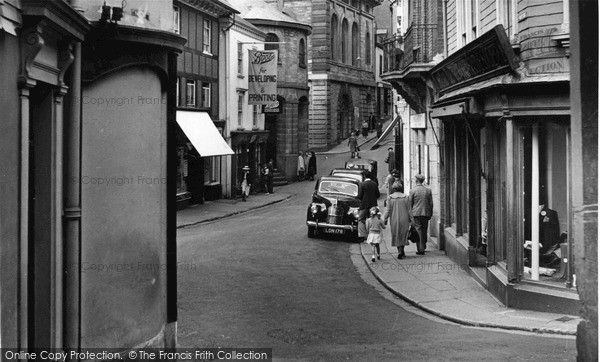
312 166
368 193
372 121
375 232
365 129
264 181
301 167
389 181
398 212
245 182
421 203
270 175
390 159
353 144
379 128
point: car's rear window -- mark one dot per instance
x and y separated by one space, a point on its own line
339 187
354 176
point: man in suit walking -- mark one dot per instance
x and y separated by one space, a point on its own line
368 193
421 202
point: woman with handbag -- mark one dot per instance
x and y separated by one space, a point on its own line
399 213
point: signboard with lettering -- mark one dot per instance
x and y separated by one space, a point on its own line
487 56
262 77
540 52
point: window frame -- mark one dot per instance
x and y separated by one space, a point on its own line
240 58
207 36
190 95
176 19
240 107
302 53
206 94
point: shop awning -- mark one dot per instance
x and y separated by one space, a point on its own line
386 133
201 131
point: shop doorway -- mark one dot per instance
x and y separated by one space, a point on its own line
345 119
271 145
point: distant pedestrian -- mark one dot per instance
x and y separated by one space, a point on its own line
300 170
398 212
368 193
365 129
421 202
245 182
379 128
390 179
353 144
264 180
372 121
390 159
375 232
312 166
270 175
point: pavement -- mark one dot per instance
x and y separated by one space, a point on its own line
432 282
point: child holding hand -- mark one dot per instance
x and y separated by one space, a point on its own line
375 229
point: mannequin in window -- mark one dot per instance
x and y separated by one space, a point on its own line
549 232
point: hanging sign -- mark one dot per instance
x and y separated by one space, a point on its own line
262 77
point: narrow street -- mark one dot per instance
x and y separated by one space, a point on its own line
256 280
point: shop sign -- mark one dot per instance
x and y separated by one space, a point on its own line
487 56
274 108
540 53
262 77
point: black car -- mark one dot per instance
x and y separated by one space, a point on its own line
355 173
363 164
334 207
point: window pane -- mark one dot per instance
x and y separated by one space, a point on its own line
206 36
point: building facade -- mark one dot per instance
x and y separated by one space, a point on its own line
489 85
245 124
88 127
340 64
202 171
287 123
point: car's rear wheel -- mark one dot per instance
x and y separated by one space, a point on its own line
311 232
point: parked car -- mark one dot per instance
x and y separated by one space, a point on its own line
334 207
355 173
364 164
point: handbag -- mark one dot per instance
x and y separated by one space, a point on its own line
413 235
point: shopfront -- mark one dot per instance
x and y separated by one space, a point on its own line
200 158
505 188
250 150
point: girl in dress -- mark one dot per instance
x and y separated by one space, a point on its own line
375 228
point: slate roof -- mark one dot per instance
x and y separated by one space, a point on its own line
252 10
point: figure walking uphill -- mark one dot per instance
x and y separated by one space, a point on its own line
375 228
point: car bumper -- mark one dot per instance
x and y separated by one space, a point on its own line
333 226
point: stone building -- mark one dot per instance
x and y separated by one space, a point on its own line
88 197
340 63
287 123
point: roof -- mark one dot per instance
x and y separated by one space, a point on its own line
259 12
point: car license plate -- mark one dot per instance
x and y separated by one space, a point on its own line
334 231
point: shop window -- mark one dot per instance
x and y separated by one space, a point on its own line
190 93
545 202
206 36
206 102
255 113
182 170
212 170
177 92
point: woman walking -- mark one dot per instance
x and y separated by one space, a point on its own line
312 166
353 144
399 213
301 167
